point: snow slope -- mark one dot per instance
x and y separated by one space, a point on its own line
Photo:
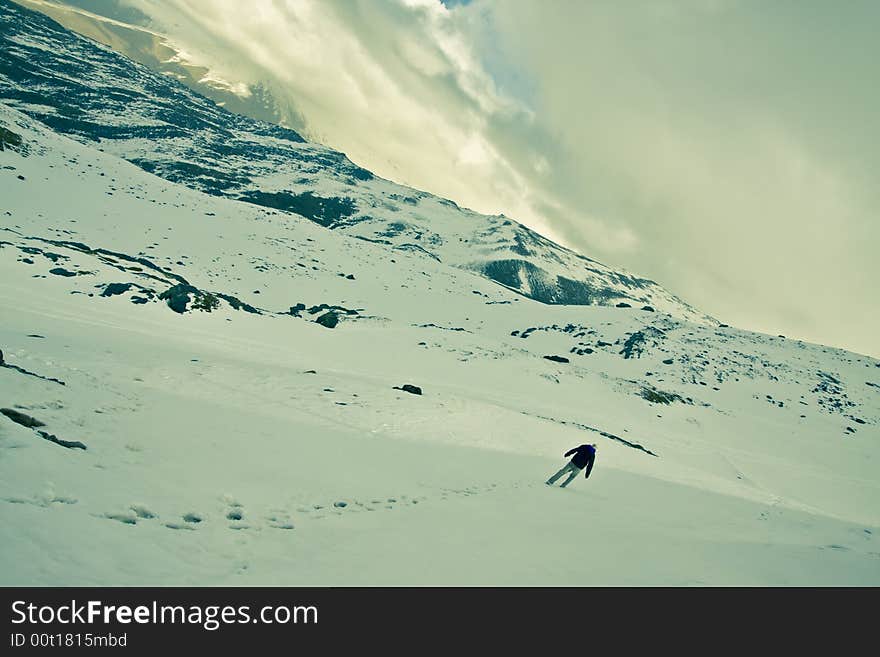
223 444
87 91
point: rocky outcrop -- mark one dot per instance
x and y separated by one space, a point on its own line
10 140
328 320
656 396
23 419
116 288
69 444
637 343
26 420
178 297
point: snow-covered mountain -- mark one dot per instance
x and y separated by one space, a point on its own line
198 389
124 29
86 90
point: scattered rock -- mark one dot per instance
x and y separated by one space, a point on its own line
24 371
32 423
9 139
237 304
408 387
656 396
205 301
329 319
69 444
116 288
21 418
636 343
337 309
177 297
445 328
61 271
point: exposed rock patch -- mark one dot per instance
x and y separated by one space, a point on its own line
408 387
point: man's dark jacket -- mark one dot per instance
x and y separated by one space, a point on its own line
584 456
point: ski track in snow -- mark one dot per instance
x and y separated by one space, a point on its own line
235 515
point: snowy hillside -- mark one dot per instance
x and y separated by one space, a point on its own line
86 90
219 443
202 390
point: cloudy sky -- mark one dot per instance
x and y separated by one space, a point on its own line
728 149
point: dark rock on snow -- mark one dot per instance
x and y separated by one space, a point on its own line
238 304
32 423
9 139
656 396
408 387
69 444
338 309
177 297
116 288
21 418
329 319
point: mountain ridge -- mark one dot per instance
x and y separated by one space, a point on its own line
171 131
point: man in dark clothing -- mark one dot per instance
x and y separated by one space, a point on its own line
584 456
